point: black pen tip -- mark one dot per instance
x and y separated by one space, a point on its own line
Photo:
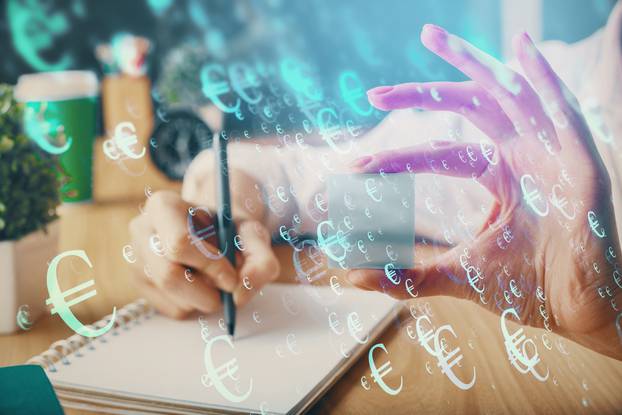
231 329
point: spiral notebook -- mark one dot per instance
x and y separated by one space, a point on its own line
292 343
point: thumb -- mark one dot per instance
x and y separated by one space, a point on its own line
260 264
441 275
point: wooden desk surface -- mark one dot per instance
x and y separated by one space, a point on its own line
580 381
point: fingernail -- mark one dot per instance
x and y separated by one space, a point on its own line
429 27
379 90
527 38
360 162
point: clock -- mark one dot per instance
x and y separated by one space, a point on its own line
179 135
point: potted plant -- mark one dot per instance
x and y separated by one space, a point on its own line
29 182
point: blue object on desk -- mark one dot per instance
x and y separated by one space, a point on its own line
27 390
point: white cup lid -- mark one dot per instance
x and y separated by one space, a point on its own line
56 86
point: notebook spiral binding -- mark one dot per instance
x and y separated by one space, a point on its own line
59 350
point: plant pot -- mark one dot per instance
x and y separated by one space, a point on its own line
23 269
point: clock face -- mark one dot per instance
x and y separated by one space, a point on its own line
176 141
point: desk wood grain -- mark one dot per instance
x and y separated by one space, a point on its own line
580 381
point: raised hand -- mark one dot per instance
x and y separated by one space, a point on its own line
549 248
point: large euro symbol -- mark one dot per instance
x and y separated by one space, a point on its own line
425 337
445 362
532 195
518 357
378 373
62 308
216 375
243 77
352 92
125 138
213 89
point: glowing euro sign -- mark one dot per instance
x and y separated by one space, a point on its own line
518 357
328 123
560 202
57 297
197 237
355 327
125 138
215 375
26 15
297 75
243 78
445 362
389 271
531 195
45 131
214 88
378 373
594 224
326 243
352 92
372 190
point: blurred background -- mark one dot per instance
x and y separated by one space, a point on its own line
291 57
378 38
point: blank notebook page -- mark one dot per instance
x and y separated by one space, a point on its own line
284 347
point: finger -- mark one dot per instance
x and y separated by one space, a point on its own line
435 277
511 90
561 105
181 239
170 277
448 158
260 263
466 98
164 303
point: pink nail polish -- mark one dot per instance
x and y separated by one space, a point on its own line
429 27
379 90
361 162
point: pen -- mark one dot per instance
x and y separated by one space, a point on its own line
226 232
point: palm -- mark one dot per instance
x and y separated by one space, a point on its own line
537 253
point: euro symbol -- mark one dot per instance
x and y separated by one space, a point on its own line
370 187
365 383
330 130
242 78
335 286
23 318
444 360
389 271
518 357
474 275
594 224
354 327
425 337
213 88
197 237
62 308
533 195
378 374
352 92
561 202
409 288
214 376
38 129
390 253
128 254
125 138
334 324
326 243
